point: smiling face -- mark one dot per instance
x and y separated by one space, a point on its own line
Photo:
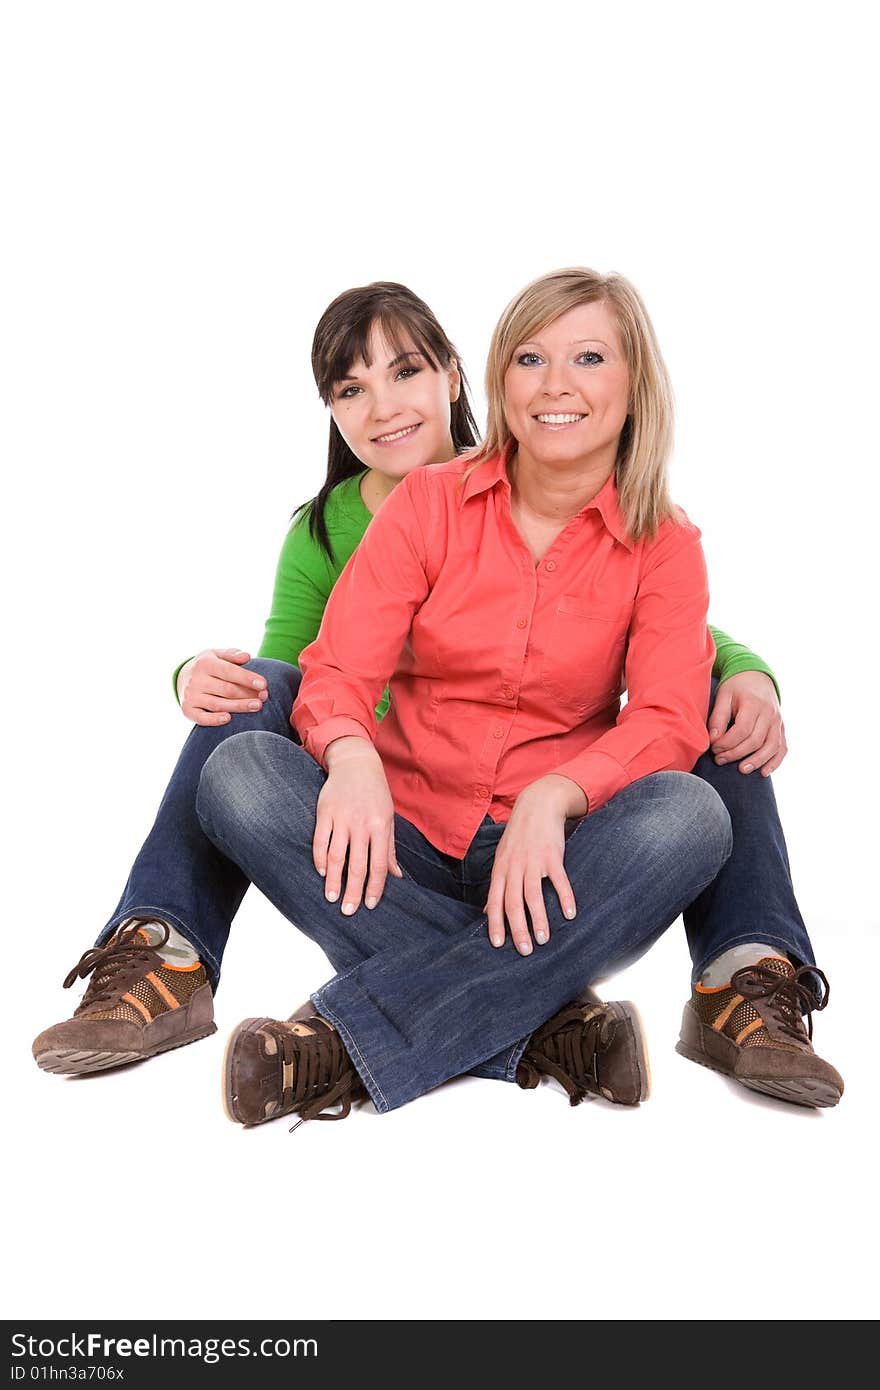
394 414
566 391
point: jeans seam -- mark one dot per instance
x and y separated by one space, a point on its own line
351 1042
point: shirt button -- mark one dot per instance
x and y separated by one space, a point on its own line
497 733
507 691
551 565
481 791
522 622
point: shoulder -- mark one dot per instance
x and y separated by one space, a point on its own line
424 485
343 510
674 532
344 501
675 546
441 474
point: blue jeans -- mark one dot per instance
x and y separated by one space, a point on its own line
420 994
181 877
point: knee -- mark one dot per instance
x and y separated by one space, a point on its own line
696 818
282 672
282 682
229 784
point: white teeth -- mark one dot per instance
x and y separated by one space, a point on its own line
387 438
560 419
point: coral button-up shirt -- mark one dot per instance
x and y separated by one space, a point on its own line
502 670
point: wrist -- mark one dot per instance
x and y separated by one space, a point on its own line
347 747
572 799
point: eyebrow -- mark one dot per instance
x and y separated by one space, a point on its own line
395 362
575 342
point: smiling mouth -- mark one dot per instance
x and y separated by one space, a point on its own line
567 419
398 434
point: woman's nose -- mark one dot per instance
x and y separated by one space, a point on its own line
384 407
556 381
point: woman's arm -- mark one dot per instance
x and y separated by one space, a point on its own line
366 623
303 583
732 658
668 670
745 724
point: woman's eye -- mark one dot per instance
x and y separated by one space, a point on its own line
406 372
527 359
592 358
346 395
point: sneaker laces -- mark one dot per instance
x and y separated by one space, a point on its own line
106 963
789 997
317 1073
567 1048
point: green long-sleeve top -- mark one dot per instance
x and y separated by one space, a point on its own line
305 578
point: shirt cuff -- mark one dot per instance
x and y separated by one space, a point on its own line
735 665
341 726
177 671
599 776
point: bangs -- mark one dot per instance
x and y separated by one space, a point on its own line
402 332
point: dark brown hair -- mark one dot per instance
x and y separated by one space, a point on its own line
342 337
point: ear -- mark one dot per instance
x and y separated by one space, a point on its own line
454 382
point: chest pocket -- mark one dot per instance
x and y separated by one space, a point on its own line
583 665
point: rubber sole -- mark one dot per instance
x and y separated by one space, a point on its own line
228 1095
626 1010
812 1094
70 1061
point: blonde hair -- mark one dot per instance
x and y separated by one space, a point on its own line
646 439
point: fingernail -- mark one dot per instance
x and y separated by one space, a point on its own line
371 902
749 767
570 912
255 704
525 948
331 896
258 685
713 733
497 940
348 908
540 937
720 760
322 872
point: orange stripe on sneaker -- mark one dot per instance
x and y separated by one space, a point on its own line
710 989
749 1028
166 966
141 1008
726 1012
163 991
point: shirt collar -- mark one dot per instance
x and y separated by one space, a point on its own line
606 502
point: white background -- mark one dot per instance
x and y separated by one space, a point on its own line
186 186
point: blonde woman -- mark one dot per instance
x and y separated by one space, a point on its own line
508 835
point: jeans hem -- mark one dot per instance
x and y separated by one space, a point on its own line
760 939
515 1057
162 914
357 1058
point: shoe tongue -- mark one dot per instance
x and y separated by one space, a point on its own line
777 965
151 934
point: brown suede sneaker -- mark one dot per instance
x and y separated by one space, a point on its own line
135 1006
590 1048
753 1030
274 1068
